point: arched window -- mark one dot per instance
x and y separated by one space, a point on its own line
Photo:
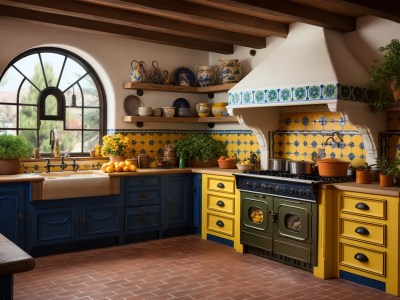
46 89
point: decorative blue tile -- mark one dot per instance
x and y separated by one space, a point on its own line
259 96
323 120
344 91
329 91
285 94
351 156
247 97
314 92
272 96
300 93
305 121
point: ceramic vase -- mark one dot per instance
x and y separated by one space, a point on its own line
156 75
363 176
230 71
206 75
117 158
219 109
138 73
203 109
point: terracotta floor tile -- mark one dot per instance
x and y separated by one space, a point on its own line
181 268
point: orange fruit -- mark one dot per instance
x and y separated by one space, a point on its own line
104 167
125 169
122 164
118 168
128 163
110 169
132 168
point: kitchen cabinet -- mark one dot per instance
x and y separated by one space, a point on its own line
142 208
13 197
176 204
221 210
197 203
368 239
68 221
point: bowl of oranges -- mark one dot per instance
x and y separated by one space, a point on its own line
122 166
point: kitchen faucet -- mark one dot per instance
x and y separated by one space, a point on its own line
52 141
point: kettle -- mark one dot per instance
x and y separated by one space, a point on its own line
143 161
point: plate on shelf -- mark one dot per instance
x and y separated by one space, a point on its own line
181 103
131 104
185 73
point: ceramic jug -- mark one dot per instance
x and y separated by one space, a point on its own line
138 71
230 70
206 75
165 77
156 75
143 161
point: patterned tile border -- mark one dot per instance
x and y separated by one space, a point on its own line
326 91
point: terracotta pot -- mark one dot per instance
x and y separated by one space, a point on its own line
363 176
385 180
227 163
117 158
332 167
9 166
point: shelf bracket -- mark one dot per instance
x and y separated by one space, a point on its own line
211 125
139 124
139 92
211 95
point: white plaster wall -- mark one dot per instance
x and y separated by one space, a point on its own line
111 57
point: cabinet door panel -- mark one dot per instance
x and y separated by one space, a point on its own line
53 224
9 215
141 181
142 218
143 197
98 219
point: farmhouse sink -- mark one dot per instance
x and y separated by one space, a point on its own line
62 185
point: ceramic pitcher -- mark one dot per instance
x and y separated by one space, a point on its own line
206 75
230 70
138 71
143 161
156 75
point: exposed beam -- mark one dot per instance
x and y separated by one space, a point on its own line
283 11
114 29
200 15
137 20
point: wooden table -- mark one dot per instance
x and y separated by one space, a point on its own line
12 260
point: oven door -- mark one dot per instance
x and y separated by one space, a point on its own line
293 228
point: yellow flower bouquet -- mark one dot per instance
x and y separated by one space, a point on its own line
118 145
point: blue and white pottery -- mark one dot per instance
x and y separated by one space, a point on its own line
138 73
230 71
206 75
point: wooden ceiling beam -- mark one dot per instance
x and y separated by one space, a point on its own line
200 15
138 20
283 11
87 25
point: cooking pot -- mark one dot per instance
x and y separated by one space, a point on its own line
301 167
278 164
332 167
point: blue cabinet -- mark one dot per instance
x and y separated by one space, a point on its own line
13 197
176 204
197 203
70 221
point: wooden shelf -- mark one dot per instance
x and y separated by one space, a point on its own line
210 120
140 86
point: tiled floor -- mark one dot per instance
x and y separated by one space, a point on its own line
176 268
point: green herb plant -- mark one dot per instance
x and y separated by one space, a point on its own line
15 147
383 76
388 167
200 147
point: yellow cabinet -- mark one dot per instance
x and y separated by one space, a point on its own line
221 210
368 234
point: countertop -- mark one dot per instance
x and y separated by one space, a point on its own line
13 259
372 188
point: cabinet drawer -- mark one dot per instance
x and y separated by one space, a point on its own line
142 218
220 224
222 204
362 259
363 206
363 231
142 197
141 181
221 185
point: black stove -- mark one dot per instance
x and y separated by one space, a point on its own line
284 184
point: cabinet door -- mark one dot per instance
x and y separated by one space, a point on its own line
142 219
98 219
197 203
177 204
53 225
12 215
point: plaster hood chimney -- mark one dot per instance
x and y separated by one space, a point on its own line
313 70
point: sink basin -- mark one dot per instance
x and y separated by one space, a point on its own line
62 185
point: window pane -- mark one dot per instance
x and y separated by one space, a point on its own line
71 141
55 61
13 132
91 118
9 86
78 96
28 117
90 92
91 139
50 106
8 116
31 68
44 133
28 94
73 118
72 72
30 135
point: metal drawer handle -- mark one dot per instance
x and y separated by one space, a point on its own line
220 223
220 185
220 203
362 230
361 257
362 206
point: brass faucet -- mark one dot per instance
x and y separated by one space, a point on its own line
52 141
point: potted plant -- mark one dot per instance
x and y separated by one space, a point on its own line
363 174
12 149
118 147
384 86
201 150
388 169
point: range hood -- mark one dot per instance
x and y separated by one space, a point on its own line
312 70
